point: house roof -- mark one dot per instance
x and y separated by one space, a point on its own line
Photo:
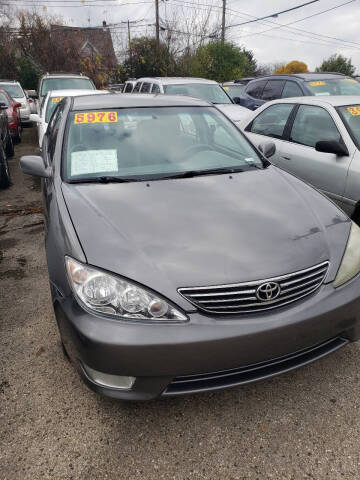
92 39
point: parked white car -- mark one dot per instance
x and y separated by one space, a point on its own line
52 98
15 90
208 90
318 140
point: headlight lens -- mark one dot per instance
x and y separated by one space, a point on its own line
105 293
350 265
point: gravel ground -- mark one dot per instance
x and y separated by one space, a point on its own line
302 425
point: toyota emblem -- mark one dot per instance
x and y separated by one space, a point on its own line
268 291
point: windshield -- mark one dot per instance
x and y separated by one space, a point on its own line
14 91
350 115
206 91
153 142
50 107
62 83
234 90
336 86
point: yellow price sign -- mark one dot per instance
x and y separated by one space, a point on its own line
350 80
317 84
355 111
56 99
95 117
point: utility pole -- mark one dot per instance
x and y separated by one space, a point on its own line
130 50
157 24
223 22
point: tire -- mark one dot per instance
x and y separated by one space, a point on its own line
9 147
17 138
5 180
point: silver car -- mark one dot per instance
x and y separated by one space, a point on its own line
318 140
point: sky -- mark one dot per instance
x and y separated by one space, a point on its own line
308 39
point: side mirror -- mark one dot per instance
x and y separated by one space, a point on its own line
3 106
268 149
34 165
332 146
237 100
34 117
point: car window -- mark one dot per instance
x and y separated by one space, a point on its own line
13 90
155 88
255 89
50 107
137 87
272 121
210 92
334 86
234 90
273 89
53 129
145 87
128 88
350 114
313 124
153 141
63 83
291 89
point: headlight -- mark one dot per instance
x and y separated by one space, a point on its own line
109 294
350 265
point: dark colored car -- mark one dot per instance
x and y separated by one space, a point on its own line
273 87
6 146
244 80
13 115
180 259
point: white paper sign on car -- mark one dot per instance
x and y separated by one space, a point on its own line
94 161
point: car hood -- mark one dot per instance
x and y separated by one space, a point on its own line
206 230
235 112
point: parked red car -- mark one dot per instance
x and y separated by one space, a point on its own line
13 115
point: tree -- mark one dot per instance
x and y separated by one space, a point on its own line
293 67
222 61
147 60
337 63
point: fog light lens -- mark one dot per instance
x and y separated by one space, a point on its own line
106 380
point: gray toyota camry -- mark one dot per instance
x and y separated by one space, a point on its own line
180 259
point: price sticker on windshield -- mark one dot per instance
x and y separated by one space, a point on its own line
355 111
317 84
95 117
350 80
56 99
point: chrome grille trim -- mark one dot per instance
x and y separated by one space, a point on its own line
241 297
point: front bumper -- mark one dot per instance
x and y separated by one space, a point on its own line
25 115
161 356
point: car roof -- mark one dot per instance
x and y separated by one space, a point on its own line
60 74
176 80
73 92
302 76
334 100
128 100
233 84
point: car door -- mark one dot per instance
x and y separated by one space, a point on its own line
270 125
252 97
273 90
325 171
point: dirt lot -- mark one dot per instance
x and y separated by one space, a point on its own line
302 425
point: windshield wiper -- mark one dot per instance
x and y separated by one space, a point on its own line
105 179
196 173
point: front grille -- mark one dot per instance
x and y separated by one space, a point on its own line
252 373
243 297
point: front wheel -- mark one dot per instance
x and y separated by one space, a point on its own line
5 180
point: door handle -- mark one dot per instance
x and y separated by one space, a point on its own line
286 158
